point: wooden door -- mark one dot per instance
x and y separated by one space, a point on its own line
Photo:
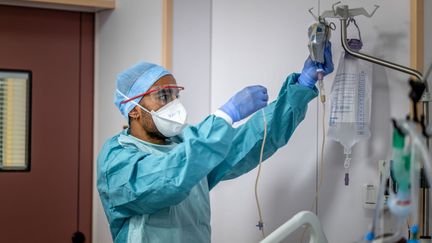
52 200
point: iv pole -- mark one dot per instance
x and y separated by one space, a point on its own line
343 13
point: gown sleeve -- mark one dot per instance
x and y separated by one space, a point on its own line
132 182
282 115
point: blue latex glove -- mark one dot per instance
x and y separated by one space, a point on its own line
308 76
246 102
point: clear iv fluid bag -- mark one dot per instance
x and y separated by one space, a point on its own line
351 97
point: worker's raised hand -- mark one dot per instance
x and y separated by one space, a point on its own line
246 102
308 76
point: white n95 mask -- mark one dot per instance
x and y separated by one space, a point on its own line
169 119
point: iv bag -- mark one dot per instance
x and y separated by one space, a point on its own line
351 97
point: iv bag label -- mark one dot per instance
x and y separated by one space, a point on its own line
362 119
344 99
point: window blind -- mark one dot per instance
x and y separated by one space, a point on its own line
14 113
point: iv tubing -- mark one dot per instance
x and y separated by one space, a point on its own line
380 200
261 222
322 154
321 167
320 75
415 179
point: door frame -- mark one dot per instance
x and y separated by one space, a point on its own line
86 110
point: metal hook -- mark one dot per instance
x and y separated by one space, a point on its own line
373 12
332 26
362 11
352 20
313 15
333 7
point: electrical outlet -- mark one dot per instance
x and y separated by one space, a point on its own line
369 196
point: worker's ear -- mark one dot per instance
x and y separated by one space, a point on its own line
134 114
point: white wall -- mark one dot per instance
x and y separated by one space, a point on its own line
261 42
191 55
131 33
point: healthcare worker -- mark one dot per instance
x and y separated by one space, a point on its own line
154 178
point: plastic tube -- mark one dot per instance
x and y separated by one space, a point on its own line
380 200
260 224
419 142
415 179
320 75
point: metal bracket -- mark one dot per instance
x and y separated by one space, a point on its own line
313 15
343 12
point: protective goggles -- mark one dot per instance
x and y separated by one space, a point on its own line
160 94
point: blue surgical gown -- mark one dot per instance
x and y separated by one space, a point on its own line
160 193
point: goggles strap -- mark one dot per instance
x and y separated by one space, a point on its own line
133 101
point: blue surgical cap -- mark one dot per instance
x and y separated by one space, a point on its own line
134 81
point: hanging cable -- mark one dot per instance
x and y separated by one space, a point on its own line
260 224
321 166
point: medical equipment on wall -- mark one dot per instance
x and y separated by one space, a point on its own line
351 97
415 145
344 14
319 34
409 152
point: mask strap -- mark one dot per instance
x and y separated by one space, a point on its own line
132 101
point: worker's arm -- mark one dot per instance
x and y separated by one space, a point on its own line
133 182
282 115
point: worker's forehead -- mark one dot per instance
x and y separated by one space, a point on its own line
167 79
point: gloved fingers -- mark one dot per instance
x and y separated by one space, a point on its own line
328 58
328 50
257 88
260 104
265 97
328 45
259 97
257 91
308 63
262 94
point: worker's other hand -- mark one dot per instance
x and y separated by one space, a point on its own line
246 102
308 76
